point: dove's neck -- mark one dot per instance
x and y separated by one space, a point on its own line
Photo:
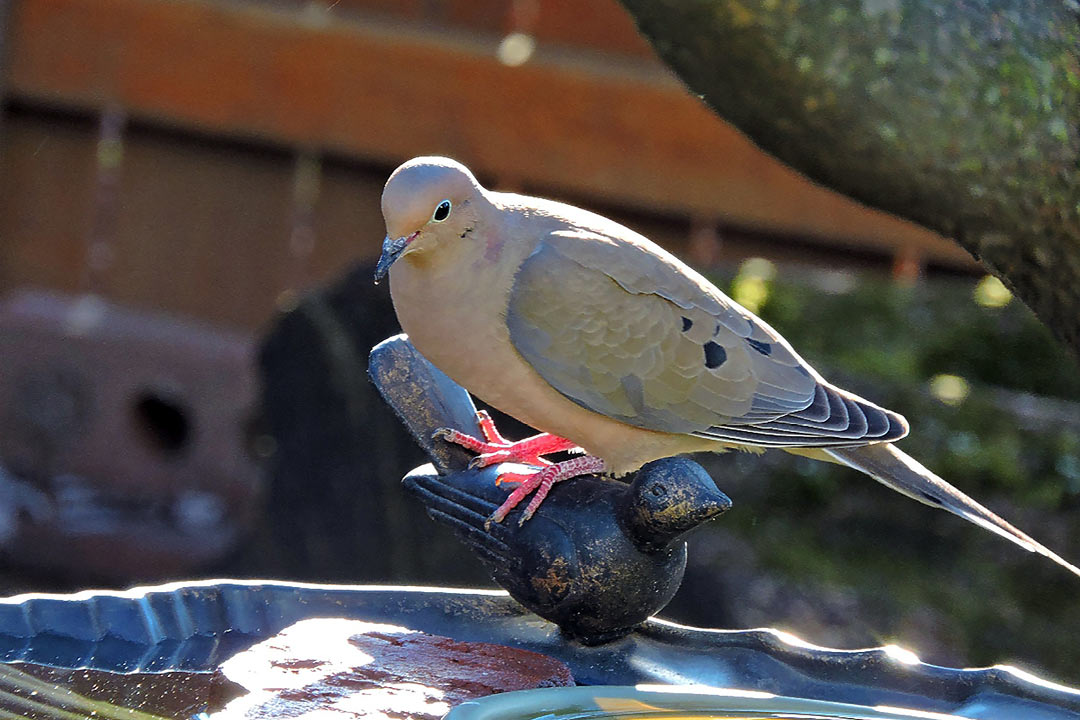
452 301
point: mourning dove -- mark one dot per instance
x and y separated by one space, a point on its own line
602 340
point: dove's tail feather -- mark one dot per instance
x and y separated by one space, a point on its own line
891 466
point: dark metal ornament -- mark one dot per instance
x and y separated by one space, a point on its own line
599 557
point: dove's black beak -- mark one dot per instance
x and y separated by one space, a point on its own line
391 251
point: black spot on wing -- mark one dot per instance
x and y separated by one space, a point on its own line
687 323
762 347
715 355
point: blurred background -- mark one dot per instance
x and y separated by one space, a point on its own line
189 215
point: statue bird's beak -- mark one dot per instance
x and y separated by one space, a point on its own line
391 251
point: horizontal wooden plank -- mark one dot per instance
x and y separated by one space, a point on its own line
620 131
47 183
597 25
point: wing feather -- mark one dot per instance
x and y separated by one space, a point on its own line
646 340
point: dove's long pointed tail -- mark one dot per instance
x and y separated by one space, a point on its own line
891 466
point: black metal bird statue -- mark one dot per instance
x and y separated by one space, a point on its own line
599 557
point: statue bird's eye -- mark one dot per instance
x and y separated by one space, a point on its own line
442 211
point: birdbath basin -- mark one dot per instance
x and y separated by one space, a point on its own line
198 625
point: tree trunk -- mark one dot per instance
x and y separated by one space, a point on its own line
959 115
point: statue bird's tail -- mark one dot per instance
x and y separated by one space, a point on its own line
891 466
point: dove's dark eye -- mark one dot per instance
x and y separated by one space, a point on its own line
442 211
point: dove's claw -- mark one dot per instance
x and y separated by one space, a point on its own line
491 458
494 448
459 438
541 481
482 461
487 426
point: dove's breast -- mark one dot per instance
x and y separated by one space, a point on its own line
457 321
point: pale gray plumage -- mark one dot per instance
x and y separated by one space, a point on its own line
761 393
586 330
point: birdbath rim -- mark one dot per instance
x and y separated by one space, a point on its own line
196 625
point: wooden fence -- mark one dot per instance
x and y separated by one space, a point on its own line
210 157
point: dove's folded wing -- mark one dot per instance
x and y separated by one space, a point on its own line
624 329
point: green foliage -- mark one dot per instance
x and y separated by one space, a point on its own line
908 335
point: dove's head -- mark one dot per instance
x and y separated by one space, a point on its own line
428 202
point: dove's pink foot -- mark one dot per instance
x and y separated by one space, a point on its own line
541 481
494 448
